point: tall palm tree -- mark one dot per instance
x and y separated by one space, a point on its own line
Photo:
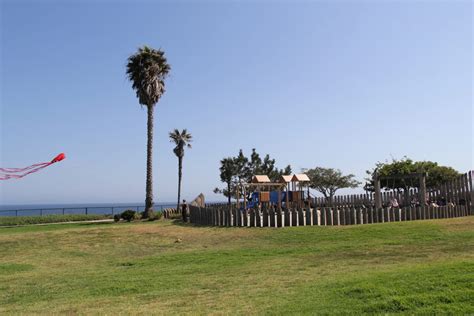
180 139
147 70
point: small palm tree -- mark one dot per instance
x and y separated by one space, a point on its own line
180 139
147 70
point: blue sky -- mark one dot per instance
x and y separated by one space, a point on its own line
312 83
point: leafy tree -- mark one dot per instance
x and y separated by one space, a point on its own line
241 167
228 174
147 70
235 170
264 167
181 140
328 180
437 174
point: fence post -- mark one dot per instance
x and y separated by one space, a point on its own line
329 216
86 211
377 196
471 198
63 211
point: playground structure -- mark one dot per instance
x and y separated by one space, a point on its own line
289 191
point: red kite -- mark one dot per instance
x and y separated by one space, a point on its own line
17 173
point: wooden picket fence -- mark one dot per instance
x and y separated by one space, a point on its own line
458 192
170 212
325 216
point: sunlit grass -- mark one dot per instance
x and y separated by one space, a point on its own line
410 267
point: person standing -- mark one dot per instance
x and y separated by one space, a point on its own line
184 211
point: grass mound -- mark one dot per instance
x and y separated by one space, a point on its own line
419 267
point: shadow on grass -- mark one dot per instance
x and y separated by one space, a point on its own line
179 222
93 223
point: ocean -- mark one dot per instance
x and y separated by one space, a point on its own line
79 208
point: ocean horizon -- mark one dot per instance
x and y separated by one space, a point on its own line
77 208
67 205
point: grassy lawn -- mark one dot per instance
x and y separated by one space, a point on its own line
28 220
411 267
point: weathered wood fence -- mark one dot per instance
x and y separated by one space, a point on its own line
458 192
170 212
325 216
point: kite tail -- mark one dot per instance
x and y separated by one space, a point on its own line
18 173
16 170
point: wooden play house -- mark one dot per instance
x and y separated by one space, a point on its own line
286 180
261 189
299 182
261 183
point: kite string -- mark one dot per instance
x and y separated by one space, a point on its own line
16 170
18 176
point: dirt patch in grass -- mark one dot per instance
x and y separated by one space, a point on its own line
460 224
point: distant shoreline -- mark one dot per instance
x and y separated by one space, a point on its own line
33 206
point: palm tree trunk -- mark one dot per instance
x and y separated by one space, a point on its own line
149 165
180 175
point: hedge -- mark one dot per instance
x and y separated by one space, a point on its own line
28 220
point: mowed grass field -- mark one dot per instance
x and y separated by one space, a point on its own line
420 267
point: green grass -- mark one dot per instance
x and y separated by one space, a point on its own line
422 267
28 220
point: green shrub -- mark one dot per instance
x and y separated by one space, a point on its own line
151 215
128 215
28 220
117 218
175 216
155 216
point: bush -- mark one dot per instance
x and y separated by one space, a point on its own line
155 216
175 216
158 215
128 215
46 219
117 218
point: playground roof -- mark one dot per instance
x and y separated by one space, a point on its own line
260 179
300 177
286 178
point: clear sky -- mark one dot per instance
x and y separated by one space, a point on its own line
333 84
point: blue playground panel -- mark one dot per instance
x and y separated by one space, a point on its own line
273 198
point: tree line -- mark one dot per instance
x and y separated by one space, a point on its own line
327 181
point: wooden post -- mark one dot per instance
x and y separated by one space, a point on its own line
471 187
309 199
237 196
245 198
279 198
422 196
378 196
